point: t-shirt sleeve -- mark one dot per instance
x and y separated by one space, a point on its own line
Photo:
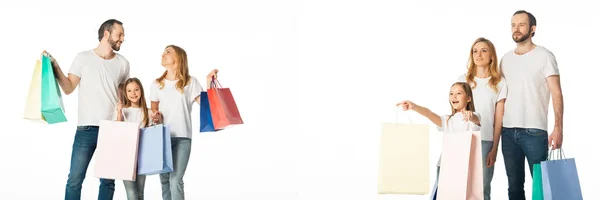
502 93
195 89
154 91
444 120
550 67
77 65
125 74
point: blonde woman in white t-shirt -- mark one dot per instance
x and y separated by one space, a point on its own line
132 107
172 96
489 93
463 117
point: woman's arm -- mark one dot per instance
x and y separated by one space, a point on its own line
498 123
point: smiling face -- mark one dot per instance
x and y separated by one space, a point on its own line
133 92
116 37
458 98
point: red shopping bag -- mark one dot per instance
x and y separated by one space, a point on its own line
223 108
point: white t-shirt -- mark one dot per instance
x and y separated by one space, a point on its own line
528 98
133 115
176 107
98 86
457 124
485 99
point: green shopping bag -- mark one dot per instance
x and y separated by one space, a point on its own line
52 104
537 190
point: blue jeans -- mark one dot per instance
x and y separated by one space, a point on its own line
488 173
518 144
84 145
172 183
135 189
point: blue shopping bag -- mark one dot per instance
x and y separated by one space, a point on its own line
206 122
559 179
155 155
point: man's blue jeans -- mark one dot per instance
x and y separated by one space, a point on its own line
86 139
518 144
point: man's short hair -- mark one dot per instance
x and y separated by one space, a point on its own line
107 25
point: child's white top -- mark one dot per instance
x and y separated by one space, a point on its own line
132 114
457 124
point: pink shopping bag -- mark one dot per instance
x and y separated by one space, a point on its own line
461 173
117 150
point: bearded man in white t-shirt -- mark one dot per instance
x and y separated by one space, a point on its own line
532 77
98 72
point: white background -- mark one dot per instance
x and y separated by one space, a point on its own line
313 80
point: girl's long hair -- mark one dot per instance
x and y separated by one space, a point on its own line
143 105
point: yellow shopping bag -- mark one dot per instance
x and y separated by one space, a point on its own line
33 106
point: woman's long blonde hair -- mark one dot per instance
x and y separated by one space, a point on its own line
142 103
182 70
492 69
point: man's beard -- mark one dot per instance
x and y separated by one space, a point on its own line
523 37
113 44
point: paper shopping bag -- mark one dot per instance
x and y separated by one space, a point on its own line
537 192
155 155
560 179
206 122
117 150
404 159
33 106
52 104
223 108
461 172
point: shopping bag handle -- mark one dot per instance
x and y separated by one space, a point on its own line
469 126
215 83
398 112
122 113
152 123
560 155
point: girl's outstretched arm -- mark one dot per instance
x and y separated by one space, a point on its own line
407 105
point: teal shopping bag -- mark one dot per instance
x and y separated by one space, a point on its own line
52 105
537 190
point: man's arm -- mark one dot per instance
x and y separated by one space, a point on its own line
68 84
556 138
557 100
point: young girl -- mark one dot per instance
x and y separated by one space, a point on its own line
489 91
172 96
463 117
132 108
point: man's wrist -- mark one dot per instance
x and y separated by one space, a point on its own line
558 128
